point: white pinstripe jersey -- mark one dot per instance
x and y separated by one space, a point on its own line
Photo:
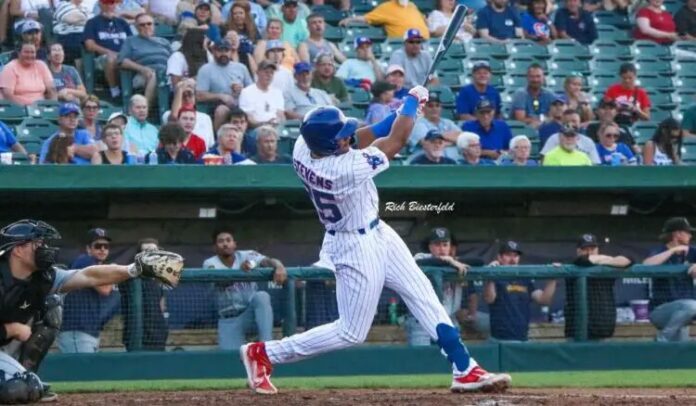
341 186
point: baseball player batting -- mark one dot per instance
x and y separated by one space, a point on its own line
367 254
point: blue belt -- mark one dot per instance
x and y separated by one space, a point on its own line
363 231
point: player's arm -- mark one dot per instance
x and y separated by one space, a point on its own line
97 275
489 293
544 297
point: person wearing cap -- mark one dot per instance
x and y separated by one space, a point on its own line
324 78
412 58
397 76
84 146
85 311
479 89
606 113
469 146
32 32
146 55
302 97
583 143
520 150
69 20
566 153
498 22
509 300
185 95
610 151
396 16
104 35
574 22
316 43
220 82
433 151
554 121
274 30
294 27
263 103
283 77
118 119
432 120
672 305
24 11
364 66
380 105
601 304
531 103
26 80
495 134
140 136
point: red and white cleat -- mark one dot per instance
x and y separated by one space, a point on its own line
480 380
258 368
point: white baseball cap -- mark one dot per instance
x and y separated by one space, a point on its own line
395 68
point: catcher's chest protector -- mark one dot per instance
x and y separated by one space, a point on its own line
22 300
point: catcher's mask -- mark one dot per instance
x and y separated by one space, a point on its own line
24 231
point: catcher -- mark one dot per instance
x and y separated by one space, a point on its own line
30 308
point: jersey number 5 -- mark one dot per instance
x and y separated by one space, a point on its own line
326 206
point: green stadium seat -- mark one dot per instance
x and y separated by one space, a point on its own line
359 97
456 50
603 81
650 49
5 58
289 129
611 32
684 67
660 115
603 48
20 159
331 15
684 96
569 48
662 100
447 97
497 65
450 65
355 112
450 79
655 81
527 48
515 81
606 65
684 50
672 6
520 128
11 113
286 144
425 6
643 130
483 49
569 65
32 147
106 109
448 114
652 65
518 64
47 109
35 128
612 18
165 31
363 6
375 33
334 34
689 154
685 82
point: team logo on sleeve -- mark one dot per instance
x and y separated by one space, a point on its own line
373 160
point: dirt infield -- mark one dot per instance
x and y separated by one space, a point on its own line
572 397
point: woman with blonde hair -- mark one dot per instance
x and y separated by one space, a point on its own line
576 99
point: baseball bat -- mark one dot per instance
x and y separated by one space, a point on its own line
446 40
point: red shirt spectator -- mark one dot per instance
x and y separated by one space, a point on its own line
196 145
632 102
187 120
655 24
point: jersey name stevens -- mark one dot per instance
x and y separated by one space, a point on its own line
310 177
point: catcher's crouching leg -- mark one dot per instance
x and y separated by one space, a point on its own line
44 332
22 388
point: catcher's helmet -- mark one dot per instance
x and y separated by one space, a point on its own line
322 128
23 231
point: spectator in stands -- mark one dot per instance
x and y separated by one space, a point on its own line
283 77
601 307
140 135
66 79
241 21
90 117
412 58
567 152
294 28
610 151
432 120
537 23
185 95
229 139
509 299
397 17
530 104
31 32
554 121
606 112
302 97
200 20
689 121
104 35
8 141
257 13
262 103
495 135
316 43
576 99
673 305
479 89
171 149
61 150
221 81
187 121
240 54
379 108
247 141
655 24
146 55
469 145
274 31
126 9
114 154
187 61
267 147
119 119
84 309
28 11
664 148
632 101
324 78
520 150
498 22
163 10
242 307
433 150
396 76
571 119
573 22
69 22
685 20
154 322
364 66
26 80
83 147
439 19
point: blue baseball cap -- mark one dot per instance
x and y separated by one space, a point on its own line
413 33
68 108
559 98
302 67
433 135
362 41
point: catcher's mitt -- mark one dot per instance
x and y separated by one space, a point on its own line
164 266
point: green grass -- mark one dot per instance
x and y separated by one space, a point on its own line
584 379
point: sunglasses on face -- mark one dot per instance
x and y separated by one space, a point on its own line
100 246
413 42
614 135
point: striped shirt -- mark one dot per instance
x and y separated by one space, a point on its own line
65 9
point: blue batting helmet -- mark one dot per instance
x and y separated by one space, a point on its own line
322 128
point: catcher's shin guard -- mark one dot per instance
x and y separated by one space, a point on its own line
22 388
44 332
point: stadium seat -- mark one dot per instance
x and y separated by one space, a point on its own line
165 31
451 79
568 65
355 112
685 82
684 67
518 64
569 48
515 81
11 113
331 15
106 109
359 97
456 50
684 96
375 33
363 6
20 159
606 65
47 109
286 144
612 18
643 130
289 129
684 50
334 34
35 128
653 65
603 48
603 81
32 146
527 48
497 65
611 32
689 154
672 6
655 81
450 65
662 100
447 97
483 49
5 58
659 115
520 128
425 6
650 49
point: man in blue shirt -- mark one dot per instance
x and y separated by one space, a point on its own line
572 22
495 134
555 120
498 22
479 89
432 120
85 311
8 142
508 300
532 103
433 151
673 305
84 146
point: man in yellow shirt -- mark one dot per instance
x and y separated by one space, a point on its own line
566 153
397 16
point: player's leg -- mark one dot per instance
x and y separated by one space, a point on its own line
263 314
19 386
